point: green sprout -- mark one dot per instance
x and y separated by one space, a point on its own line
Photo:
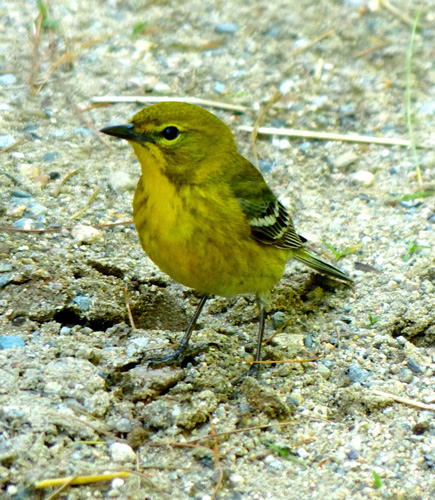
377 479
373 320
411 250
47 23
338 254
138 28
285 452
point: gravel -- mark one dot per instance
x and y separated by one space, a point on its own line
356 400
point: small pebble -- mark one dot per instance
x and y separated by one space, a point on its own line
29 170
296 397
50 157
273 31
65 330
414 366
18 193
395 369
35 208
265 165
123 425
362 177
83 302
122 181
428 160
286 86
427 108
161 88
24 223
343 161
226 28
11 341
319 101
6 141
219 87
273 462
12 490
86 234
406 375
324 371
117 482
122 453
278 319
8 79
6 278
309 340
236 480
410 204
357 374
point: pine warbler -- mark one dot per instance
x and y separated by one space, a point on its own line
204 214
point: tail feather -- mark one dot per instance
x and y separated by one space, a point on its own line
319 265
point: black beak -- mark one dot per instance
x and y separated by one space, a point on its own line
126 132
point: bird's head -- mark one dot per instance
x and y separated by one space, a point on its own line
183 140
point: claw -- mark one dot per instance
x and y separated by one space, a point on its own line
178 356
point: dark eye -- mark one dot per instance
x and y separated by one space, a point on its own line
170 133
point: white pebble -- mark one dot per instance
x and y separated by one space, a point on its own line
286 86
363 177
122 181
86 234
236 480
117 482
122 453
161 87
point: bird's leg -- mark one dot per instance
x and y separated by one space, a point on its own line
255 368
183 349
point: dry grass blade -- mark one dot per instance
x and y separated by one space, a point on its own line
87 424
408 106
283 361
59 229
399 14
310 43
64 180
369 50
154 99
62 488
76 480
36 37
406 401
193 442
88 202
329 136
216 461
127 304
65 58
11 146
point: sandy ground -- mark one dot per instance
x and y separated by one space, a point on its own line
75 396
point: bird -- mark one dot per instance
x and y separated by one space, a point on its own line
205 215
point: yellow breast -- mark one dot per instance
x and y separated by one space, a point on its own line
187 232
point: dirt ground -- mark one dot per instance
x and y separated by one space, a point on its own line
76 396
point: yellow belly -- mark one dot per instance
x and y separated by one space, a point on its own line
192 239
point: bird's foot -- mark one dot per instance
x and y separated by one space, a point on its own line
254 370
178 357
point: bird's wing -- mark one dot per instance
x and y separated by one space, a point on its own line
269 220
